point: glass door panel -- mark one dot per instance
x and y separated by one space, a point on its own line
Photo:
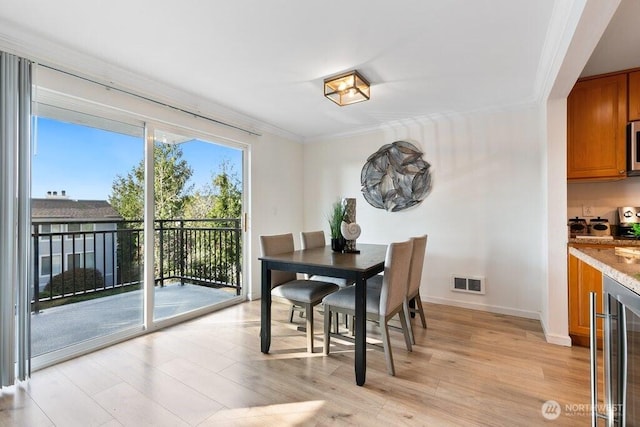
86 234
197 223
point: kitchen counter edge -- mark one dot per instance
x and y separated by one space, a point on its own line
623 269
609 242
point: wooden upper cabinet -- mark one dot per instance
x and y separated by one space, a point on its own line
634 96
596 129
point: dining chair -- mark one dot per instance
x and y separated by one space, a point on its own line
382 304
413 285
316 239
286 286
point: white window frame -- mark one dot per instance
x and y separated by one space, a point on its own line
52 265
49 234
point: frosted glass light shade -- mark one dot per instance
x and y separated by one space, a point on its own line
347 88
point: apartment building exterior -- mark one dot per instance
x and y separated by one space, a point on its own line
72 234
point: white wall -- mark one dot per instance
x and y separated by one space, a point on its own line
581 35
276 189
555 298
484 216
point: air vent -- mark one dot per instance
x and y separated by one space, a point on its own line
474 285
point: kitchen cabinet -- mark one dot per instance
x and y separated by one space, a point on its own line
596 129
583 279
634 96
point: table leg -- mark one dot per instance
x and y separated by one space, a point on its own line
360 329
265 312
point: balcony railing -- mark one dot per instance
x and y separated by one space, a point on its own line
76 258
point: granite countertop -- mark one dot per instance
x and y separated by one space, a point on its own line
616 241
625 269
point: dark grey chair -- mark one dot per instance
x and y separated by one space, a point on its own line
286 286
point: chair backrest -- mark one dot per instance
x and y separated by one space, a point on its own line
417 262
275 245
396 274
312 239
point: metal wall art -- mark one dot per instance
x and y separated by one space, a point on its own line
396 177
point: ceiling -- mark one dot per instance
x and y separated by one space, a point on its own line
266 59
619 47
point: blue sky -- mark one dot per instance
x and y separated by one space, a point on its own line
84 161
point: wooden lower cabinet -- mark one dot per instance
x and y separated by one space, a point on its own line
583 279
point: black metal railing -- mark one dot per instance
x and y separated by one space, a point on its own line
75 258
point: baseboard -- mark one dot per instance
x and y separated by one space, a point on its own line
563 340
483 307
557 339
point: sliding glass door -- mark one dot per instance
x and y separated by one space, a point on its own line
197 200
86 234
133 227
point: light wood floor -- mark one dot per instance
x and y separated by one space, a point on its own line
468 368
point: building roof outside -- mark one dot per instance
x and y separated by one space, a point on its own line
72 210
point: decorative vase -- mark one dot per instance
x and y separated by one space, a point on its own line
337 245
350 218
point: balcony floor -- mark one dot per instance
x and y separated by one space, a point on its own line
62 326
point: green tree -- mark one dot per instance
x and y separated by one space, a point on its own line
227 193
171 175
221 198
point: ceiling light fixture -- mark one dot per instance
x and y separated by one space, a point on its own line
347 88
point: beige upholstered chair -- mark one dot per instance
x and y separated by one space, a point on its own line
415 277
315 239
413 286
382 304
286 286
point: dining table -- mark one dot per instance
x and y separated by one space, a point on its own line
356 267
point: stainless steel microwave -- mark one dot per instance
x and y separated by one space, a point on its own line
633 149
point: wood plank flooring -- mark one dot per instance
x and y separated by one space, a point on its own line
469 368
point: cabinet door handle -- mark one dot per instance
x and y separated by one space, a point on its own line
593 349
593 358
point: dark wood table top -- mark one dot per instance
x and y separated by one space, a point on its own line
370 256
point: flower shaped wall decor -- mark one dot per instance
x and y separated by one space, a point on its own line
396 177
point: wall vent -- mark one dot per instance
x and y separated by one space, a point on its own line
471 284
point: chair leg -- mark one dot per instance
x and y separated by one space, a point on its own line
406 329
327 329
309 312
384 329
336 327
407 310
421 311
291 311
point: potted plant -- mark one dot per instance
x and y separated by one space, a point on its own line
335 218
